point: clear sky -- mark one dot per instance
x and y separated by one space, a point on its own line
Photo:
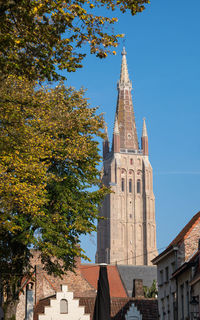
163 55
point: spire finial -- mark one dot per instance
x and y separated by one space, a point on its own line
124 52
144 129
124 77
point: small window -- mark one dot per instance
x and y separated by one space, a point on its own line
63 306
173 267
122 184
138 186
130 185
161 277
168 306
131 161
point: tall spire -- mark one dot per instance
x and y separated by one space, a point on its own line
124 111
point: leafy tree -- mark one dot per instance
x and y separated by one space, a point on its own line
151 292
39 35
48 164
48 154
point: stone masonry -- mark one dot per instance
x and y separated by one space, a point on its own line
128 234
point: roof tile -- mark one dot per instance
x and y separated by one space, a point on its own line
91 273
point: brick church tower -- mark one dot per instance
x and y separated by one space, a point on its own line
128 234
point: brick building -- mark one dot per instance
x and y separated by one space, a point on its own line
174 279
45 297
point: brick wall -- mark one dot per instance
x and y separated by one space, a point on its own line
46 285
192 240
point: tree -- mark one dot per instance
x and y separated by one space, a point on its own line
151 292
48 155
48 164
38 37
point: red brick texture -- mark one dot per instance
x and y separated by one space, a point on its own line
46 285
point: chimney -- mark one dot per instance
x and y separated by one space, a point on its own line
138 290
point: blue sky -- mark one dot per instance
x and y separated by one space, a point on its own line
163 54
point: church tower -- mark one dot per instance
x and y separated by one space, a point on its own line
127 235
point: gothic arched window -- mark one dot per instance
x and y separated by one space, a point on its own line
63 306
130 185
122 184
138 186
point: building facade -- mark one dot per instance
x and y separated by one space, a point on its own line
127 235
178 275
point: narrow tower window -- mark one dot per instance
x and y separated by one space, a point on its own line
131 161
138 186
63 306
122 184
130 185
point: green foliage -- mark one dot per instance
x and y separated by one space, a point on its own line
48 152
151 292
39 35
48 164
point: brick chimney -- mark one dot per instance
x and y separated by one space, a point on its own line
138 290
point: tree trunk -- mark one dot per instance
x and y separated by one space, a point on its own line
10 308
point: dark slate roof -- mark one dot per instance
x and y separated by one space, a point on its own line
128 273
119 307
148 308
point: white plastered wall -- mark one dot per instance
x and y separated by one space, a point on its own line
75 312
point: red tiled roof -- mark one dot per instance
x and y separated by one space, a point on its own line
91 273
39 307
181 236
186 230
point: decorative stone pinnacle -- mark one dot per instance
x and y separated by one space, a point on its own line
106 132
144 129
116 127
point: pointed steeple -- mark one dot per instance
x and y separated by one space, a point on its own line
144 140
124 111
